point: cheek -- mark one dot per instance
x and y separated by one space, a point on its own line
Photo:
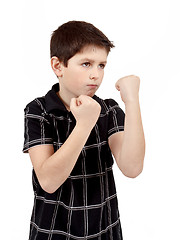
101 76
76 79
80 77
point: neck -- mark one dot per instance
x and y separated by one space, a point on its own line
65 102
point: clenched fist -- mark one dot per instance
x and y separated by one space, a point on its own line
85 110
129 88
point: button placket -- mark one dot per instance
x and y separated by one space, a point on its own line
71 123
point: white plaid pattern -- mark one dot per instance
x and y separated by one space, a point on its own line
85 206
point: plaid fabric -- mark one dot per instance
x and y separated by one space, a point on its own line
85 206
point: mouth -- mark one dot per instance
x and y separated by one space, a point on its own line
92 85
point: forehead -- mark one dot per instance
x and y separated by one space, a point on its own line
92 48
92 51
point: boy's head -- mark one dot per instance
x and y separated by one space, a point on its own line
71 38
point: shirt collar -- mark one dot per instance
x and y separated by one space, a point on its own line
53 102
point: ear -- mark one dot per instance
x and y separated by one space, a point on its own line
57 66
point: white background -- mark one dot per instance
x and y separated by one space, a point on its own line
146 35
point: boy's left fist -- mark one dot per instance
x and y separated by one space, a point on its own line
129 88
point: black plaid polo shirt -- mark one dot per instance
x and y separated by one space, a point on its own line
85 206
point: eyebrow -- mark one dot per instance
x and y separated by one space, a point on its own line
90 60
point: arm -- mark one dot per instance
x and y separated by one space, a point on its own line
128 147
53 169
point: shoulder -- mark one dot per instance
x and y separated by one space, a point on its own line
111 103
36 106
107 105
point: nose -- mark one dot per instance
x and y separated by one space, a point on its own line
94 74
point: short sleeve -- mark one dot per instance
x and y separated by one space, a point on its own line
116 118
37 128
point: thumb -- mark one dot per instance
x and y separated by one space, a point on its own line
117 86
73 103
78 101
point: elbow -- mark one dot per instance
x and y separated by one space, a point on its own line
45 184
132 171
48 182
49 186
49 190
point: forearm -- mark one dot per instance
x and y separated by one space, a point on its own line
133 146
57 168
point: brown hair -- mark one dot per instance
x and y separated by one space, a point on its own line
71 37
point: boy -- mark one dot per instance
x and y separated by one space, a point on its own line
71 134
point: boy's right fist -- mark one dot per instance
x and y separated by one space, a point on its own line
85 110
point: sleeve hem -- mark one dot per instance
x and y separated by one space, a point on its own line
115 130
29 145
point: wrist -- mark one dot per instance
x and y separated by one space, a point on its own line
131 106
133 101
83 128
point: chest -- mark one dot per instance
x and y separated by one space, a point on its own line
95 153
63 125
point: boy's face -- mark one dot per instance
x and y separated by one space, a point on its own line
84 73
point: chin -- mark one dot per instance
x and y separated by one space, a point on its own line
90 94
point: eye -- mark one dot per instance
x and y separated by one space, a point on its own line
86 64
102 66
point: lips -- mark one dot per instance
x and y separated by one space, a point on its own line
92 85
